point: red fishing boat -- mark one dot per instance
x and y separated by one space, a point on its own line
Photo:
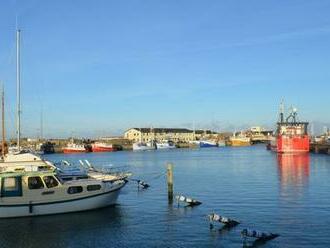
291 135
74 148
102 147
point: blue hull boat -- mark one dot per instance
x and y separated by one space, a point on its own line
204 144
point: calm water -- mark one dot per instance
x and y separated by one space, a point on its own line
288 195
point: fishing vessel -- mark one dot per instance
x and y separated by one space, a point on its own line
207 143
165 145
31 186
240 140
74 148
144 146
102 147
291 135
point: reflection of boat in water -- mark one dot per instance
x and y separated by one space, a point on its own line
86 222
293 169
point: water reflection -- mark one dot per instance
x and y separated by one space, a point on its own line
293 174
35 231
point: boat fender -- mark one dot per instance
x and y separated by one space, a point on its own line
222 219
30 207
143 184
259 235
66 163
189 201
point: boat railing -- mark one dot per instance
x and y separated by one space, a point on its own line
106 173
25 168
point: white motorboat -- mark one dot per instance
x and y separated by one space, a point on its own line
29 193
141 146
165 145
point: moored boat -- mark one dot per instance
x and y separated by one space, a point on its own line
142 146
165 145
291 135
240 140
74 148
207 143
102 147
30 193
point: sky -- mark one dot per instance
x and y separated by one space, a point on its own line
97 68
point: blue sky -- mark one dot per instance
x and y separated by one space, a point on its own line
100 67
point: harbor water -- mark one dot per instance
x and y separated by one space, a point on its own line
288 195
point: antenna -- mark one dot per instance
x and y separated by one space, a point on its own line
41 123
282 111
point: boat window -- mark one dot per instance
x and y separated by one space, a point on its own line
93 187
11 186
75 189
50 181
35 183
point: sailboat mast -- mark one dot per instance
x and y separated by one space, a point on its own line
3 121
41 124
18 90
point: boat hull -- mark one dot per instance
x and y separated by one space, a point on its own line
295 144
66 150
161 146
66 206
103 149
139 147
207 144
240 143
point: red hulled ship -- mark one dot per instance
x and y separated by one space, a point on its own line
291 135
74 148
102 147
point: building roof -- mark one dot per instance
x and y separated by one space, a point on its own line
204 132
163 130
172 130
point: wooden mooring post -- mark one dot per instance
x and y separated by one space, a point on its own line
170 182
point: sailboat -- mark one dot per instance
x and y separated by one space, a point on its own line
32 186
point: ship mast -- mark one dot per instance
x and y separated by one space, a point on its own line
282 112
41 124
3 121
18 90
